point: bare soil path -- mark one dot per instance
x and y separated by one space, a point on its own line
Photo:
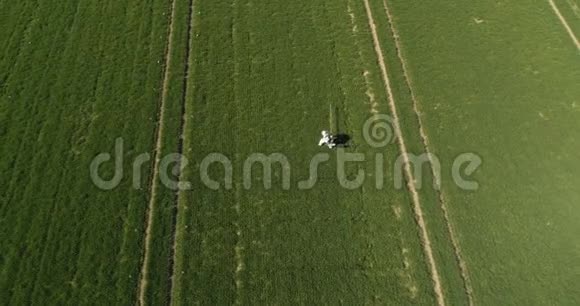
565 24
154 179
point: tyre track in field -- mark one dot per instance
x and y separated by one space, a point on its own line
407 278
239 246
182 128
565 23
418 211
154 178
426 143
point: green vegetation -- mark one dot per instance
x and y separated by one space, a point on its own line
264 78
505 87
75 76
239 77
570 10
163 210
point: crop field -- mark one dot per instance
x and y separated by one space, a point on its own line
163 152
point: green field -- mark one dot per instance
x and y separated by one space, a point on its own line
181 80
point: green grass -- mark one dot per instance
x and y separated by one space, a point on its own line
570 10
504 89
75 76
269 89
453 285
494 78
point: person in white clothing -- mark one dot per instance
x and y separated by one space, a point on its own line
327 139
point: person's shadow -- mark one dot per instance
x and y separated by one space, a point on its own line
342 140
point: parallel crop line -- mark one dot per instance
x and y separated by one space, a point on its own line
403 149
454 241
50 227
182 128
95 95
11 190
565 23
156 152
26 32
238 248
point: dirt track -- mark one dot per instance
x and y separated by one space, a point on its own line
175 233
565 24
403 150
154 180
425 140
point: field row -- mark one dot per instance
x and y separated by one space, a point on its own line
75 75
263 78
